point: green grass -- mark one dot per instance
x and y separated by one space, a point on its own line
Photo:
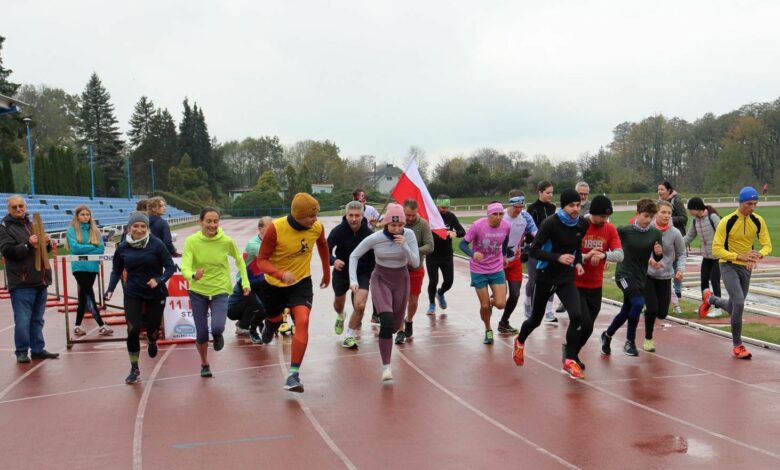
761 331
483 200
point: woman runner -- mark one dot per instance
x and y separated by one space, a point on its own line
705 222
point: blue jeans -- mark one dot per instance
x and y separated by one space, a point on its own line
28 304
201 305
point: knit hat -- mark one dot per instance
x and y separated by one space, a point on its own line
568 196
495 208
748 193
138 217
394 213
304 205
601 205
696 204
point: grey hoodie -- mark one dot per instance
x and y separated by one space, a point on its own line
703 228
674 255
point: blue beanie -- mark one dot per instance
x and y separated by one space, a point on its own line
748 193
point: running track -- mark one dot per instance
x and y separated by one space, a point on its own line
454 403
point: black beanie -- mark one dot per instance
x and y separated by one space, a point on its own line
601 205
696 204
568 196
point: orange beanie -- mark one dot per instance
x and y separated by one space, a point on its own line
304 205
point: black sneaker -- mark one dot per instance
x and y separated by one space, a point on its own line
630 349
606 341
44 354
255 337
269 328
219 342
293 383
506 328
560 309
22 358
205 371
408 331
400 338
134 377
152 348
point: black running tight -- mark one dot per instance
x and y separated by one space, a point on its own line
433 266
658 294
85 281
710 273
570 299
149 312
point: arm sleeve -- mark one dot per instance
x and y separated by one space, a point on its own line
412 252
10 248
166 237
659 239
680 253
615 248
331 246
537 247
691 235
240 264
464 247
168 267
187 270
460 232
615 256
261 263
427 239
718 243
681 218
530 225
765 240
322 248
118 265
362 248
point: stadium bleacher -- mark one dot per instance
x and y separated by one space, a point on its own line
57 211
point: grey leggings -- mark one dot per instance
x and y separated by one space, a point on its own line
201 305
736 278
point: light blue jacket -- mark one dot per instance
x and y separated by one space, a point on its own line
85 248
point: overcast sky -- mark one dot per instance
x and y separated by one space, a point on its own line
543 77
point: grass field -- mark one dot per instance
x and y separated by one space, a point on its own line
484 200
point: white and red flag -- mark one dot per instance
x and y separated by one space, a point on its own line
411 185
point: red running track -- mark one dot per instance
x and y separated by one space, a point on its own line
454 402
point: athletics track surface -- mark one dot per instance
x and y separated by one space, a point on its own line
454 403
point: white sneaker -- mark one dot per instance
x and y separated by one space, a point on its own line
715 313
678 310
241 332
527 310
387 373
105 331
549 317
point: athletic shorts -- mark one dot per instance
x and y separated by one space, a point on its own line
630 287
278 298
416 277
478 281
514 270
340 281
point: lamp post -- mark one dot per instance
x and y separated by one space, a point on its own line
29 156
151 166
129 179
91 173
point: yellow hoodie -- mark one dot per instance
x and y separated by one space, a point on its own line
210 253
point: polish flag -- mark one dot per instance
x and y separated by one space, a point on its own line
411 185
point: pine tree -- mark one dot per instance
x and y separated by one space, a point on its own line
11 131
141 121
194 140
98 127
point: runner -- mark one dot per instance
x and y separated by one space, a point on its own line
733 245
84 238
352 230
558 247
158 225
680 220
488 236
285 258
658 288
539 210
442 256
424 237
640 241
583 189
149 266
369 212
522 224
395 252
601 244
204 264
705 221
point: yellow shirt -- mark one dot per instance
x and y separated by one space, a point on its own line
740 238
293 250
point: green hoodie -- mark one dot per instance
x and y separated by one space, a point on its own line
201 251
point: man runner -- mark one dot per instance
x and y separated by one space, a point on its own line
442 256
522 224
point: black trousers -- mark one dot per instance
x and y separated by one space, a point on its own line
433 266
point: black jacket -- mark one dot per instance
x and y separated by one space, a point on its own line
160 229
553 240
345 241
442 247
540 210
679 214
20 255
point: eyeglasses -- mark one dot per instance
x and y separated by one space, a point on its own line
584 194
18 206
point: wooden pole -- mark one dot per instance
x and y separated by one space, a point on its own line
41 255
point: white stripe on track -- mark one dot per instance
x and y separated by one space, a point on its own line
484 416
317 426
138 429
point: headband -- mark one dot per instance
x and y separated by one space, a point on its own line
443 203
517 200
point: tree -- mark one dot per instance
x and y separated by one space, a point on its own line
56 115
98 127
194 140
141 121
159 142
11 130
189 182
267 182
324 164
303 181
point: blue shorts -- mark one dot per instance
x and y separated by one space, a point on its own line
478 281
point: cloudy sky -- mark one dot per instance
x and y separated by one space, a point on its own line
551 77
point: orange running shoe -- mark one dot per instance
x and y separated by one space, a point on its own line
740 352
519 352
705 304
572 369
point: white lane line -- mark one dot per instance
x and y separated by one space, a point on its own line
138 430
680 376
317 426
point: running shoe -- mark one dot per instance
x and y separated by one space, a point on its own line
387 373
550 317
488 337
740 352
152 348
134 377
579 362
219 342
22 358
241 331
400 338
705 303
349 343
293 383
269 328
629 349
205 371
255 337
715 313
77 331
105 331
408 329
441 299
431 309
375 318
576 358
649 345
339 326
507 328
560 309
678 310
572 369
606 344
518 355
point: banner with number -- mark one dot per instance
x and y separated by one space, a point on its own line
179 323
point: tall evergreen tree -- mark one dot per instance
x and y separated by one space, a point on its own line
141 121
98 126
194 140
11 130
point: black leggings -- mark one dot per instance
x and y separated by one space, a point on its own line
149 312
447 273
85 281
710 271
658 294
511 301
590 306
570 299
